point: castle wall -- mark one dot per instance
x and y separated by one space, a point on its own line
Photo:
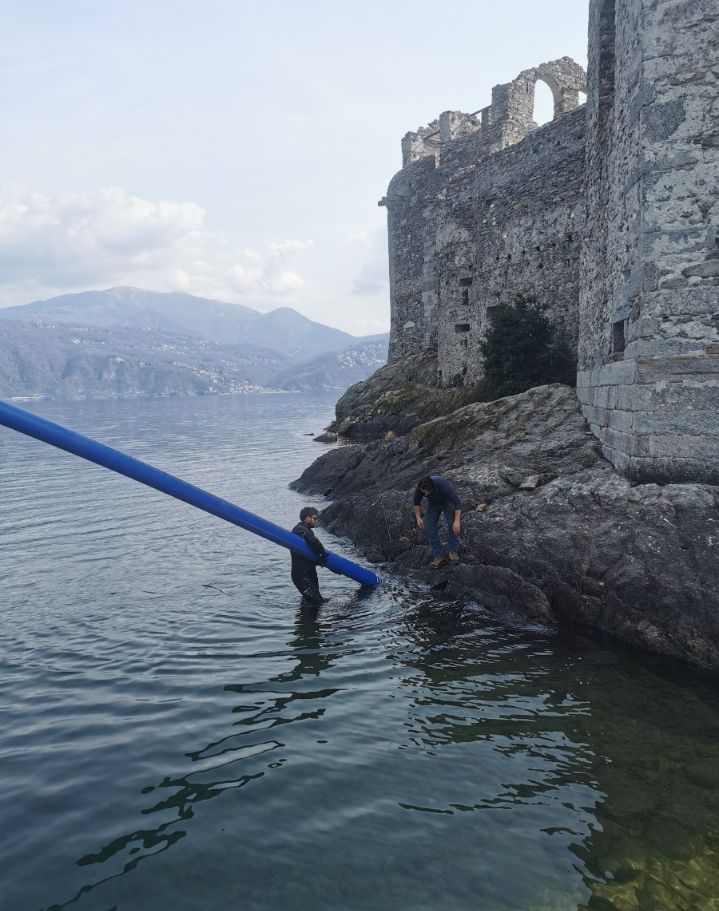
486 210
410 230
510 229
649 305
608 218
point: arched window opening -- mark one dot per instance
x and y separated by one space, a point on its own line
543 104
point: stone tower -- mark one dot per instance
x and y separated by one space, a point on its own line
649 288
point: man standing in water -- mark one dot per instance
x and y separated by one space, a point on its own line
441 498
304 571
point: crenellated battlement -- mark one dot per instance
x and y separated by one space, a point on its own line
507 120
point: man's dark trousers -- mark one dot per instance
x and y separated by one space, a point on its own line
304 575
431 521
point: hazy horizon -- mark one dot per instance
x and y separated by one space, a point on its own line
90 291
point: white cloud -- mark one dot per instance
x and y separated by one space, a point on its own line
52 243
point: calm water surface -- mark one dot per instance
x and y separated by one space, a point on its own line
178 733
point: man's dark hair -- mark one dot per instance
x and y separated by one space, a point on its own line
426 484
306 512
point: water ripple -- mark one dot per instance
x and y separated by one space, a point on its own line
178 732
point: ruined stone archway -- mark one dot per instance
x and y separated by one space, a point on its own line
566 79
544 103
513 103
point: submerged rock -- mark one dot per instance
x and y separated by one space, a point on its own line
564 537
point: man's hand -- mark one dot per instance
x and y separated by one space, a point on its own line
420 522
456 527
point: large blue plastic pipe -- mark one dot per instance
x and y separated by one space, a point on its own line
34 426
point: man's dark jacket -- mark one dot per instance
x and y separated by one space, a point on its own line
304 571
442 494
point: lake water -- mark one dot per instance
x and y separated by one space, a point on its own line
177 732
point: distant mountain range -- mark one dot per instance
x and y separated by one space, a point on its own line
129 342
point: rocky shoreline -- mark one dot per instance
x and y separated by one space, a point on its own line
565 539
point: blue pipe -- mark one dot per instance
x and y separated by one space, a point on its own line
33 426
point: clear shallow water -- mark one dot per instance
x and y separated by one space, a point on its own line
176 732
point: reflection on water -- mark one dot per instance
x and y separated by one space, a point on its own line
177 731
627 743
223 764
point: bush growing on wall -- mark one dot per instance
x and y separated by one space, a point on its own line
524 349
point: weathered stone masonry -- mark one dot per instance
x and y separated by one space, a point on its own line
477 217
510 229
649 305
608 218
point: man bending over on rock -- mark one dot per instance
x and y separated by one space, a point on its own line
441 498
304 571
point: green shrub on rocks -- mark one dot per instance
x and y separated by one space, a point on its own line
523 349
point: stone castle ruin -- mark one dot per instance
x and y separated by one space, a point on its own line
607 217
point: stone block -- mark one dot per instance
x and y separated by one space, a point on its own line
679 446
668 347
669 369
604 397
680 421
619 373
619 440
622 421
686 395
635 398
665 240
594 415
680 302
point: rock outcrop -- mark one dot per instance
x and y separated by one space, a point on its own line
397 398
565 538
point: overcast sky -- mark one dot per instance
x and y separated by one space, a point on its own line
235 149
